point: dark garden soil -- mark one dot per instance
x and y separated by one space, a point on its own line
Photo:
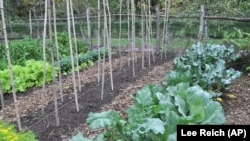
44 125
237 109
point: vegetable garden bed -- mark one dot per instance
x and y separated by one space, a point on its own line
236 111
89 99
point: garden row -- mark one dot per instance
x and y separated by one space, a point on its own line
31 74
29 48
185 97
26 56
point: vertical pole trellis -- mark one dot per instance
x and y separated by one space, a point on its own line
165 36
128 13
158 23
57 50
150 31
133 34
10 66
109 46
105 36
52 63
71 54
98 42
76 48
142 32
44 54
120 31
89 27
30 23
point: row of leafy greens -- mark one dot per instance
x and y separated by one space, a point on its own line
31 73
184 98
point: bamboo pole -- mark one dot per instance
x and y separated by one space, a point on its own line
76 47
57 51
44 54
2 101
148 37
30 23
120 31
105 36
89 27
109 47
142 33
71 55
150 32
128 13
165 37
10 66
98 42
164 28
52 63
158 40
133 35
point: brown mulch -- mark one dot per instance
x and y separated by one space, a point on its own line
237 109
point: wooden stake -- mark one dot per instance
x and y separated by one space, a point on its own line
158 14
71 54
98 42
52 63
202 14
10 66
142 32
76 48
120 32
57 51
44 54
128 11
30 22
89 27
165 36
109 47
133 35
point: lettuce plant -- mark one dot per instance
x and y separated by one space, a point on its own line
25 76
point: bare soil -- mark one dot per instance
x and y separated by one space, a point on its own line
124 84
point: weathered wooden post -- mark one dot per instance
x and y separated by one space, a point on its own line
202 14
